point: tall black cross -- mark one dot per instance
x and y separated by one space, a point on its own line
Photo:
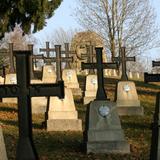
47 50
24 91
101 95
123 59
155 142
67 53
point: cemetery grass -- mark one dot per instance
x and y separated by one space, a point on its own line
69 146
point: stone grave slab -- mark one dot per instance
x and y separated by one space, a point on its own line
39 104
62 114
90 89
103 132
70 81
1 80
3 154
10 79
49 75
127 99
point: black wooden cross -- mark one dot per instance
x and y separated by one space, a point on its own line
123 59
47 50
155 63
24 91
90 55
101 95
67 53
155 125
58 59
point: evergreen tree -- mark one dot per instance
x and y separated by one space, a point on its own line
27 13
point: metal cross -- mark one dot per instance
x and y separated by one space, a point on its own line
155 140
101 95
58 59
67 53
90 56
123 59
47 50
24 91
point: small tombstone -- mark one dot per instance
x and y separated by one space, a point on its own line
90 89
3 154
10 79
70 81
126 95
1 80
48 74
103 132
130 75
62 114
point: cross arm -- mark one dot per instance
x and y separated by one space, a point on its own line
40 90
39 56
131 59
9 91
44 49
116 59
88 65
151 77
110 65
67 59
155 63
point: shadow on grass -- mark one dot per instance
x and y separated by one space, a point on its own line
8 109
9 122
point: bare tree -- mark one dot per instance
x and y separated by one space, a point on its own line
129 23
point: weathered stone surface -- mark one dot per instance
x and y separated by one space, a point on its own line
1 80
127 99
62 115
49 74
90 89
10 79
103 132
3 154
70 81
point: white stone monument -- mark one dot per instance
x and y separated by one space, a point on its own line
103 132
3 154
10 79
127 99
70 81
90 89
62 114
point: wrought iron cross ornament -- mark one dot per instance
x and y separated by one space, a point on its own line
24 91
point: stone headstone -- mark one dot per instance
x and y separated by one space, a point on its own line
1 80
127 99
39 104
103 132
62 114
90 89
70 81
10 79
3 154
48 74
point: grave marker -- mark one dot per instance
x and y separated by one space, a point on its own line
103 132
123 59
24 91
155 140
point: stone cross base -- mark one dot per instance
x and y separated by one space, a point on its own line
103 132
64 125
127 99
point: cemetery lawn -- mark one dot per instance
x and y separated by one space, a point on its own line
69 146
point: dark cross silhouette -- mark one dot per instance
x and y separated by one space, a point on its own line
90 55
123 59
33 60
101 95
155 63
24 91
58 59
67 53
48 51
11 58
155 142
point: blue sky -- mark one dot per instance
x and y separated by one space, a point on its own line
63 18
